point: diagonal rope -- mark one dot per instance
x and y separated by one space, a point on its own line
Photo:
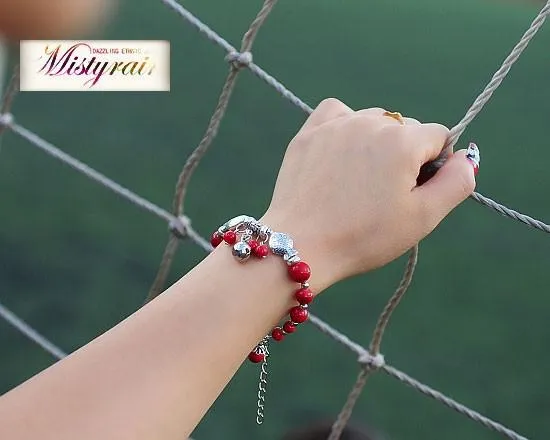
254 68
24 328
479 104
237 61
103 180
346 411
290 96
499 76
413 383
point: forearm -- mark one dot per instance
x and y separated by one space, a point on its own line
155 374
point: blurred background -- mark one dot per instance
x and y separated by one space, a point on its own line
76 259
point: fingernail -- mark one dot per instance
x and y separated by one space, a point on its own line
472 154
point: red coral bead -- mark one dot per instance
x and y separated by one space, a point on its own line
304 296
216 239
253 244
298 314
299 271
261 251
277 334
289 327
230 237
256 357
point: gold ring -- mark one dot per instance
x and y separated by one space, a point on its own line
395 115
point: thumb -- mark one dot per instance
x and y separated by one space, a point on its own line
451 185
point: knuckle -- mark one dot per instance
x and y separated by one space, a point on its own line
439 129
397 135
411 121
360 122
330 103
301 140
372 110
377 109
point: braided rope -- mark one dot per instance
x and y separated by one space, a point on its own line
25 329
345 414
237 61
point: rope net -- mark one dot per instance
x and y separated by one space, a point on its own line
370 360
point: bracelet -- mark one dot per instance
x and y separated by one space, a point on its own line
248 237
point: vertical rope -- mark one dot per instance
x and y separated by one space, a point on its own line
345 414
236 63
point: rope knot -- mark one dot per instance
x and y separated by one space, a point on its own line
373 362
6 119
179 226
239 59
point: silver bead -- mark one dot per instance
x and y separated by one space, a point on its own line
241 251
265 230
280 244
291 257
236 221
290 253
293 260
305 285
255 227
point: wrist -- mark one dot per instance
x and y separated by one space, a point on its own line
311 246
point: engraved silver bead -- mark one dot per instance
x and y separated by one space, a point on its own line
241 251
280 244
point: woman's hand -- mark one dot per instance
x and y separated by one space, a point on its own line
347 189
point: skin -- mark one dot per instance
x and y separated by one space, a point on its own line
51 19
346 192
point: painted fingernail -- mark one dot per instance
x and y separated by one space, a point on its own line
472 154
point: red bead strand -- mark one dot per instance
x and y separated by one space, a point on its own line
304 295
299 272
289 327
277 334
230 237
256 357
298 314
216 239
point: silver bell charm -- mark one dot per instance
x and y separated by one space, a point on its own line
241 251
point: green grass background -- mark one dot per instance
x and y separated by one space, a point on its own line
76 259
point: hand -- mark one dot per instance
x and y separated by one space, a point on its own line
347 189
